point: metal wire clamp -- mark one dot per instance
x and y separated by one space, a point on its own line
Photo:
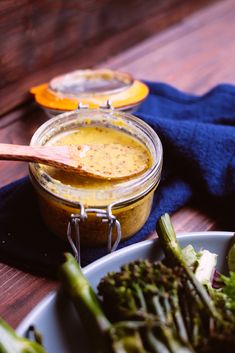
108 105
106 216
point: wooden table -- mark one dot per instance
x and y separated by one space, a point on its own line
193 55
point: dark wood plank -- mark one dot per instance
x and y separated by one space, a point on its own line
193 55
52 37
19 291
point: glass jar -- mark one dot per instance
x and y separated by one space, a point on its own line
97 215
93 88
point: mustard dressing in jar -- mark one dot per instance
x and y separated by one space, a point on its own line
137 157
97 211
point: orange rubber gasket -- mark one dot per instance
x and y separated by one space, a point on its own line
134 94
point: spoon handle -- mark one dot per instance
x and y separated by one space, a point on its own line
51 155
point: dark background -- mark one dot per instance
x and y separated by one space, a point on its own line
40 39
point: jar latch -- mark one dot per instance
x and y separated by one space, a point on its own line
106 216
107 105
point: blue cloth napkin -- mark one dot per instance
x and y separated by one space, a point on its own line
198 136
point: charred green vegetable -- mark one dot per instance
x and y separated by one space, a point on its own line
216 317
10 342
147 295
154 307
149 307
106 337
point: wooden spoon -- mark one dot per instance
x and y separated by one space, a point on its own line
105 161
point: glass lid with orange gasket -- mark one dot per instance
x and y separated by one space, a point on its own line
92 88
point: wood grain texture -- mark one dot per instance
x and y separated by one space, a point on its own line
19 291
193 55
41 39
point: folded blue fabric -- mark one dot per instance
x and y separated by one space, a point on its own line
198 136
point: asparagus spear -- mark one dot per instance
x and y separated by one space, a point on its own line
209 327
104 336
148 293
175 257
10 342
149 307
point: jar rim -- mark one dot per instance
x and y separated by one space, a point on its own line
127 191
56 84
51 97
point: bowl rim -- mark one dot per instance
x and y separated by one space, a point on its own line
146 243
50 297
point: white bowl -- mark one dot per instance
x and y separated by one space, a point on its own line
55 316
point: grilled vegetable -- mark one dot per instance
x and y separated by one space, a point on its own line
150 307
216 317
10 342
104 336
146 295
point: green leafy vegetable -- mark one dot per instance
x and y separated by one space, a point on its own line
229 290
221 334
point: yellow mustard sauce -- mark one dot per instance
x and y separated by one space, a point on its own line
94 232
89 135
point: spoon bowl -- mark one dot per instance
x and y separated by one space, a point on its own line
102 161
